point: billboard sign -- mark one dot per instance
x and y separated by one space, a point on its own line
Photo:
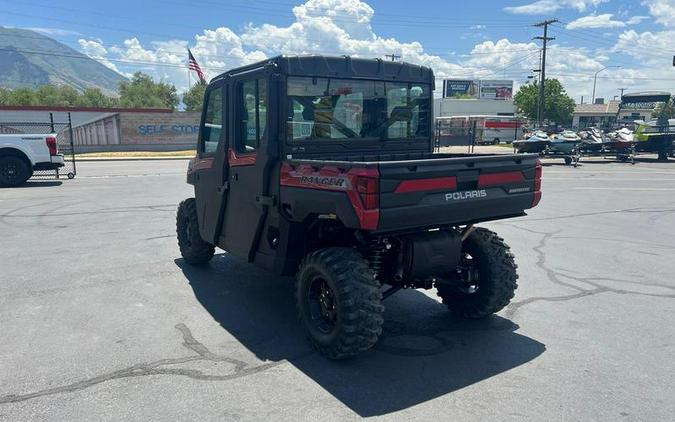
460 88
496 90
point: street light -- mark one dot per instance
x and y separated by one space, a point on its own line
595 79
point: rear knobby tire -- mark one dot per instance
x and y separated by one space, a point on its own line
193 248
14 171
497 277
355 321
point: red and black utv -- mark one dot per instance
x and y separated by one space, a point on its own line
323 167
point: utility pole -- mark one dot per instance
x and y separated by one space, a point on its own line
392 56
538 72
622 90
542 77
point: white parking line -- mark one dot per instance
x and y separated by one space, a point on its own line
609 179
581 172
619 188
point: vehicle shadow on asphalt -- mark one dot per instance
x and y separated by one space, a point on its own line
423 352
39 183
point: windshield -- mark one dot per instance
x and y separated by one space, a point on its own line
322 108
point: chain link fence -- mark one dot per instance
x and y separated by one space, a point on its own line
64 138
456 132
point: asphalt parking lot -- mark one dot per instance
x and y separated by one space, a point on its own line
101 319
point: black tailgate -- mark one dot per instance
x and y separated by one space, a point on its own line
455 190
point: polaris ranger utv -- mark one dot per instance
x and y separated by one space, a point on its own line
322 167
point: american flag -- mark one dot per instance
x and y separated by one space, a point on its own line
195 66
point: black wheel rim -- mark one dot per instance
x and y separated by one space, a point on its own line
10 172
322 305
469 273
188 232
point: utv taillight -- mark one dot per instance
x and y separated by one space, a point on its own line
367 187
538 171
52 145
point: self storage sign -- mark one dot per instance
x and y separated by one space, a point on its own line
150 130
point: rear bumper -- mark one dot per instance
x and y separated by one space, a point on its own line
435 210
56 162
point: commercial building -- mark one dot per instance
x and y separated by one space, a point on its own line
604 115
452 107
113 129
470 97
138 131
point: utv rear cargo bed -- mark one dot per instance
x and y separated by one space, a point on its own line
445 190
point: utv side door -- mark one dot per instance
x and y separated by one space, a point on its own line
247 160
211 170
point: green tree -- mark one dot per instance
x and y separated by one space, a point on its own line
558 106
49 95
5 95
56 95
69 95
194 97
93 97
23 96
665 110
142 91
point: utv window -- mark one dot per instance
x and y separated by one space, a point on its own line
253 101
213 121
322 108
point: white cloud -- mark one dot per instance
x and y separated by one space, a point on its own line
595 21
636 20
92 48
96 50
222 48
663 11
649 46
216 51
336 27
542 7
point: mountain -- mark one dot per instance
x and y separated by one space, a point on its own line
30 59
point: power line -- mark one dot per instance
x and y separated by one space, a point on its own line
176 65
596 39
79 55
220 57
85 57
267 12
153 63
150 63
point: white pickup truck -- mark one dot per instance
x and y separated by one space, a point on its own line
21 154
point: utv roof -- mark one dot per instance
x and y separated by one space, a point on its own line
340 67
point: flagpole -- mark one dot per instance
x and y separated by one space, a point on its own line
188 70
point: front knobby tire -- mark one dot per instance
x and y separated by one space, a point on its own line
193 248
339 302
496 277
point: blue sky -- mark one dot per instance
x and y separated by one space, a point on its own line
489 39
